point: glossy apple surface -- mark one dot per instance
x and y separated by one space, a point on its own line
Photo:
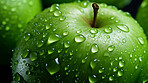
59 45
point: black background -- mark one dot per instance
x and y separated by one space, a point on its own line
6 72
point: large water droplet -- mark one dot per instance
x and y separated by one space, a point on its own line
33 56
123 28
62 18
101 70
66 44
108 30
79 38
53 66
93 31
48 26
140 39
54 7
121 63
83 4
111 78
53 38
94 48
65 33
120 73
57 13
93 63
25 53
111 48
92 79
40 43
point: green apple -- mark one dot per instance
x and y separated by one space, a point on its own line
142 16
118 3
72 43
14 16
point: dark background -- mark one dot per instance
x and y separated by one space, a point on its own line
6 72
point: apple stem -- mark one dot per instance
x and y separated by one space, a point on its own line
96 8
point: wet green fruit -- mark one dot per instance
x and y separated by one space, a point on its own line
59 45
142 16
118 3
14 15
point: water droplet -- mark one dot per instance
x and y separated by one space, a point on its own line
101 70
114 69
65 33
79 38
121 63
62 18
78 31
54 7
48 26
51 51
83 4
4 22
108 30
25 53
140 59
92 79
53 38
93 31
111 78
53 66
123 28
33 56
40 43
26 37
41 52
17 77
57 13
93 63
60 50
140 39
66 44
111 48
94 48
120 73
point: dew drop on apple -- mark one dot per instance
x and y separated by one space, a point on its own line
111 48
83 4
93 31
141 41
62 18
115 69
121 63
93 63
40 43
26 37
25 53
123 27
57 13
67 44
53 66
17 77
53 38
92 78
108 30
54 7
48 26
50 51
120 73
65 33
111 78
106 54
140 59
101 70
79 38
33 56
94 48
41 52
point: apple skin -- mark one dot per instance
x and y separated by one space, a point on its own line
142 16
118 3
63 47
14 17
